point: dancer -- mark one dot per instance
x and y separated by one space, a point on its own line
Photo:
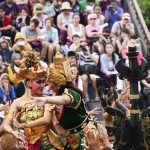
70 110
36 122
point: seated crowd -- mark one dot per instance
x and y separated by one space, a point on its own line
92 34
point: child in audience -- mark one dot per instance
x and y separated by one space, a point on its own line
76 43
78 80
72 57
49 9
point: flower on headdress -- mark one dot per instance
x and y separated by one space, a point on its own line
35 67
32 69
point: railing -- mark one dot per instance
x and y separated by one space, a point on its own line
140 25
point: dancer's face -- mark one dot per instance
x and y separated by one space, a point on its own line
55 87
38 86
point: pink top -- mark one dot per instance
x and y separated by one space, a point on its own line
89 29
20 2
123 54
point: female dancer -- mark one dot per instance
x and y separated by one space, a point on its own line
71 113
36 122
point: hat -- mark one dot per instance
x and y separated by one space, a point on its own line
4 39
19 35
38 8
31 68
65 5
126 16
60 71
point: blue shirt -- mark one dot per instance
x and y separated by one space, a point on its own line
113 17
6 57
47 9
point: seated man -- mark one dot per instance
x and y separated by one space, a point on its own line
88 65
119 25
6 27
33 37
113 13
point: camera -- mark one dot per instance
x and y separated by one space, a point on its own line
110 7
21 43
83 48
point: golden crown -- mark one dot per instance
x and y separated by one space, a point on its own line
31 68
60 71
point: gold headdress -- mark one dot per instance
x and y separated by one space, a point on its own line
30 67
60 71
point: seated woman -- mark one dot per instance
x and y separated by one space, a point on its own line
107 63
92 30
35 121
76 29
75 6
23 19
64 19
14 67
21 46
70 110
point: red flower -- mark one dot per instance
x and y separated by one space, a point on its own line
35 67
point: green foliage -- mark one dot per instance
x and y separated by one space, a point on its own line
145 9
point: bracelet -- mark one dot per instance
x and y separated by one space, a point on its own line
47 99
24 125
9 132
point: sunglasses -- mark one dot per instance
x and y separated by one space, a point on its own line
93 19
39 81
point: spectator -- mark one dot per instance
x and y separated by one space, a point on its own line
104 38
124 23
7 91
72 58
11 8
107 63
51 37
100 17
87 66
76 43
49 10
2 66
113 13
87 7
63 21
21 46
31 33
39 15
5 52
76 28
23 19
104 4
77 81
14 67
75 6
5 25
93 31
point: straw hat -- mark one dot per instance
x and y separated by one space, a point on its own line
38 8
65 5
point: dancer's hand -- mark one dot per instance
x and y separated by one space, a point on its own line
37 102
18 136
92 137
94 111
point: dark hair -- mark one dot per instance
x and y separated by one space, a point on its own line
92 1
49 1
49 19
106 30
133 37
71 53
113 55
24 8
71 86
112 1
35 21
76 14
1 7
76 35
77 3
125 30
97 6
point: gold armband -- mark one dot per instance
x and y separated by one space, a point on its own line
9 116
47 101
9 132
49 108
24 125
